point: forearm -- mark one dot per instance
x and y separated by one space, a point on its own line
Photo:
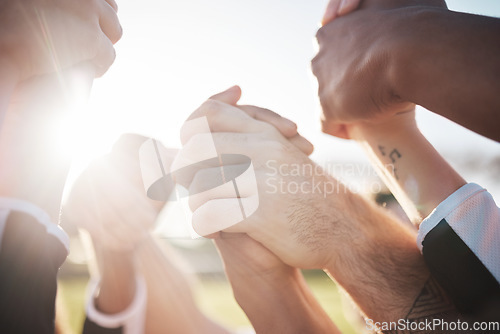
410 166
448 63
281 304
384 272
171 307
381 266
34 167
117 283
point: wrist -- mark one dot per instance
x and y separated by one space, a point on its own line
278 291
397 149
129 242
115 264
274 283
412 48
395 128
290 306
117 280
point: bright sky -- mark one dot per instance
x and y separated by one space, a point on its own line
175 54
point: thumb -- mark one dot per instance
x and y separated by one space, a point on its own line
230 96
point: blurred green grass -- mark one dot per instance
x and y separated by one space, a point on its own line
215 298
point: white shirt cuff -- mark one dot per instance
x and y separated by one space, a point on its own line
473 215
132 319
12 204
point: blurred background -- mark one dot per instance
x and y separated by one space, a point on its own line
175 54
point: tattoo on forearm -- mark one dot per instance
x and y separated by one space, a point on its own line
382 150
431 303
395 155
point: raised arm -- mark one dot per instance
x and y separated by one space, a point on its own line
256 274
140 285
410 166
48 51
311 220
273 295
459 217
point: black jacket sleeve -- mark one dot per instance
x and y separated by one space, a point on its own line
29 262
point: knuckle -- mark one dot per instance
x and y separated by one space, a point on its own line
210 109
119 33
212 105
213 111
195 141
268 128
320 34
267 113
324 98
315 64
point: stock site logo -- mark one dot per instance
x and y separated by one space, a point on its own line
227 179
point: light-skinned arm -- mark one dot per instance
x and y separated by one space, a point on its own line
117 280
109 201
317 223
49 46
410 166
171 306
256 274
